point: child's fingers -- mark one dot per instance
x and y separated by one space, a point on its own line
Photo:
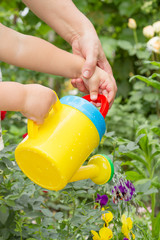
78 83
73 82
109 91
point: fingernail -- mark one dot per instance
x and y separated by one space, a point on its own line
86 74
93 97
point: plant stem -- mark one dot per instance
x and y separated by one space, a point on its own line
40 233
80 227
142 231
153 195
153 201
135 36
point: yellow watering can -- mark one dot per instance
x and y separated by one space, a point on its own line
53 153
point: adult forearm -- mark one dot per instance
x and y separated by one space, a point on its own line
61 15
37 54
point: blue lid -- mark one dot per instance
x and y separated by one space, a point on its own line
88 109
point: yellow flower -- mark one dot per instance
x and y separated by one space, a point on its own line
104 234
126 227
107 217
132 23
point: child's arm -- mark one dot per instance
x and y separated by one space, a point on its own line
37 54
76 29
32 100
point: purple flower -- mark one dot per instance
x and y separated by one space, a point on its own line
125 238
124 190
102 200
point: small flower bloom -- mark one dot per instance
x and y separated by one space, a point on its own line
24 135
125 238
149 209
141 210
132 23
126 227
154 44
3 115
148 31
45 191
156 26
104 234
102 200
124 190
34 222
107 217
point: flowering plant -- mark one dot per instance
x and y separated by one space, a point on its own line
122 192
3 115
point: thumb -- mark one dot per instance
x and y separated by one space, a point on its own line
89 66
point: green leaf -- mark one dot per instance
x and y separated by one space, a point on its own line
47 212
135 156
154 63
124 44
10 203
33 214
129 163
142 185
157 163
150 191
144 140
156 130
154 75
127 8
129 147
156 182
4 214
109 46
12 196
17 131
58 216
7 162
133 176
132 146
9 148
150 82
141 54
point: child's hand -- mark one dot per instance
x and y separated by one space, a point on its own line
100 82
38 101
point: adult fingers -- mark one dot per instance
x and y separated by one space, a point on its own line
104 64
90 64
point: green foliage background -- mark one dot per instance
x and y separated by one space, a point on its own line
131 141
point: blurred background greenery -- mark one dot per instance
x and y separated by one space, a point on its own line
132 137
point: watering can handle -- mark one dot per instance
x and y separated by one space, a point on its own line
104 103
33 127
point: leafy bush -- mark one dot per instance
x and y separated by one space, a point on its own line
29 212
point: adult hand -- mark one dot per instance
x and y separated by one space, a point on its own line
78 31
89 47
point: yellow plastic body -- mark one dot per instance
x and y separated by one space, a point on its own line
52 153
